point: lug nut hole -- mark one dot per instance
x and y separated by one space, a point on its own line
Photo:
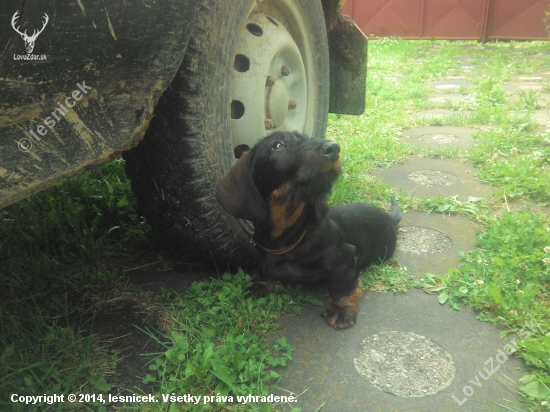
242 63
240 149
237 109
254 29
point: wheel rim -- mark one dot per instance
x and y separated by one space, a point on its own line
273 76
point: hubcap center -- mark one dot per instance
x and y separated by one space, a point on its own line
277 102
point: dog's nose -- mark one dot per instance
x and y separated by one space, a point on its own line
330 150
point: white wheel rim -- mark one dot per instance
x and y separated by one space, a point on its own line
272 74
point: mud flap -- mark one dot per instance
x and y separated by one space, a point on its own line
348 66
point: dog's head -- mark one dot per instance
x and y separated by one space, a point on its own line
281 175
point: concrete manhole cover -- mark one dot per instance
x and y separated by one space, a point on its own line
432 177
530 78
522 86
449 83
422 240
404 364
439 138
452 97
447 86
440 114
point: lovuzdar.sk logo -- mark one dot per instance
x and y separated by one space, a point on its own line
29 40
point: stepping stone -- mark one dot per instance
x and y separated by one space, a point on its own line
439 137
475 47
536 77
449 84
327 364
396 77
522 86
542 117
429 243
471 60
543 100
453 98
468 64
429 178
469 68
440 114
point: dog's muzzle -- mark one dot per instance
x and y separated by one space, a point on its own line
330 150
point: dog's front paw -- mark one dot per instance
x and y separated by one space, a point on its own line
342 313
338 315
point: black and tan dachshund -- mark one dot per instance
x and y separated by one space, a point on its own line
281 185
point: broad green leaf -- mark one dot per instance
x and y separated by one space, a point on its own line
442 297
537 390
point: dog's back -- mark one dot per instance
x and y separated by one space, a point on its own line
370 229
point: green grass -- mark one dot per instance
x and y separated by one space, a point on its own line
216 346
61 251
57 252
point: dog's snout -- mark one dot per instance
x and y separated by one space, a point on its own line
330 150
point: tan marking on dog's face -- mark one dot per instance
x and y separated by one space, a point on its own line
283 212
329 166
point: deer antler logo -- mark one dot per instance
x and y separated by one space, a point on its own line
29 40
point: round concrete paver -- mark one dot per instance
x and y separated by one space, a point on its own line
471 60
468 68
394 78
399 176
451 97
542 117
522 86
420 240
449 84
535 77
439 137
469 64
432 177
439 114
404 364
431 243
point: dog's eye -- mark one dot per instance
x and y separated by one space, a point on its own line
277 145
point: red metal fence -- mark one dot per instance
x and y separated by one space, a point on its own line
451 19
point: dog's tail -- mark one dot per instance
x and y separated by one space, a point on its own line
395 213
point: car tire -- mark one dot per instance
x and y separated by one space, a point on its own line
243 61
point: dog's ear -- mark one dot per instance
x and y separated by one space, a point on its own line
238 194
